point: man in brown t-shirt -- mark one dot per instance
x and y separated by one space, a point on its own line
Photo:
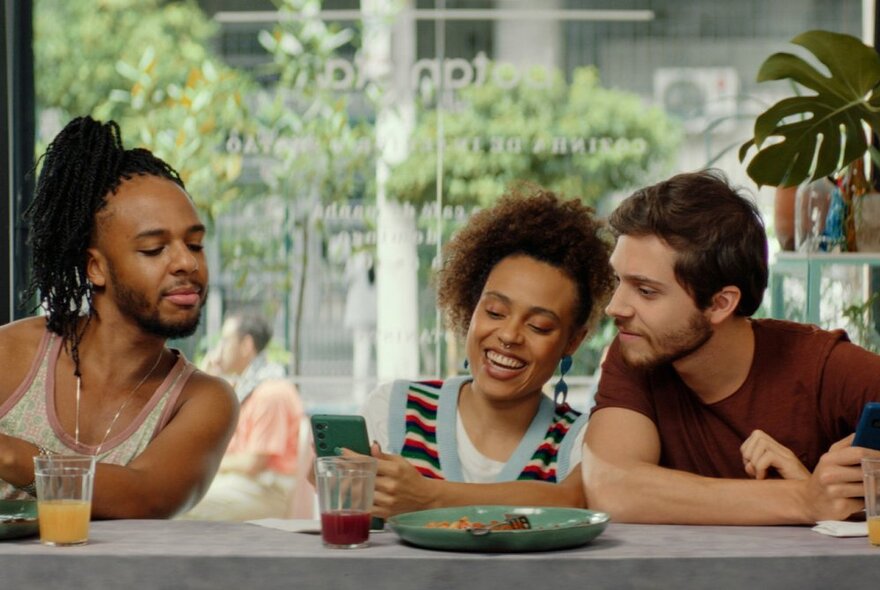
703 415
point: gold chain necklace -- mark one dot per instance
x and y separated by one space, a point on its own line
119 411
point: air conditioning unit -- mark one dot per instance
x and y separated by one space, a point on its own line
703 99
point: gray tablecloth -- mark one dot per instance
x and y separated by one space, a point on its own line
183 554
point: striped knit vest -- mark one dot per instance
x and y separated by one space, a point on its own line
420 439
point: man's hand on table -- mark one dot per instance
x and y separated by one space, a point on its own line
761 452
835 490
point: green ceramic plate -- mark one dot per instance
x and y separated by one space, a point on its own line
18 518
552 528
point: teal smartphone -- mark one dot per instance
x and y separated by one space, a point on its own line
342 431
332 431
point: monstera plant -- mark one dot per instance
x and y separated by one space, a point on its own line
827 133
827 125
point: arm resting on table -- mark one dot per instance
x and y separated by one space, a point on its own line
177 467
170 475
401 488
622 476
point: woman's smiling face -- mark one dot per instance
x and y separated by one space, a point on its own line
522 326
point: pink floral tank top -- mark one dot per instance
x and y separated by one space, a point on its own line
29 413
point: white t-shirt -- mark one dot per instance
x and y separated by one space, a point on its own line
475 466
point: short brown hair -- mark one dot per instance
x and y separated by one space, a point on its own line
254 324
535 222
718 234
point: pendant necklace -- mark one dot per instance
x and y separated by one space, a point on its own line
119 411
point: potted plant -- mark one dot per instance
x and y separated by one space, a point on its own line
807 137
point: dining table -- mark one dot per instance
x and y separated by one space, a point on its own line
139 554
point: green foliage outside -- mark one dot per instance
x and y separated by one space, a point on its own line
78 45
577 138
860 317
317 153
329 161
609 142
149 65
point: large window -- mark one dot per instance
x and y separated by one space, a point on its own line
334 147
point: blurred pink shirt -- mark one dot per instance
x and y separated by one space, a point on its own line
269 423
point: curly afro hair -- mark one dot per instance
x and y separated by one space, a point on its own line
535 222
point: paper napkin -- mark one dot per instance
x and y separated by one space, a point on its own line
293 525
841 528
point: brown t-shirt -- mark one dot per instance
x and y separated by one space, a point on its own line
806 389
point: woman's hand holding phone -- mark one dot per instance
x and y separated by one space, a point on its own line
399 486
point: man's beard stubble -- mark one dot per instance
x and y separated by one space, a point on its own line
673 346
136 306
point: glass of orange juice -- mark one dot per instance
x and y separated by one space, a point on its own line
64 498
871 474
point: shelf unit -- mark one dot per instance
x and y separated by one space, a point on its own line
811 268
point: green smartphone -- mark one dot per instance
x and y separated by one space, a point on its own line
337 431
332 431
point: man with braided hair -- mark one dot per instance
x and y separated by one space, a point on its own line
119 267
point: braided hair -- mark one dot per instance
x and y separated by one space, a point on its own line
84 164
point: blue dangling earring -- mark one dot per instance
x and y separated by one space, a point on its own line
466 364
561 388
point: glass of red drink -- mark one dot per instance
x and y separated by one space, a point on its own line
345 496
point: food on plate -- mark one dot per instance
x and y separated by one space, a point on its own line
464 523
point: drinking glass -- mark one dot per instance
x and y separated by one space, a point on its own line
64 498
345 496
812 201
871 475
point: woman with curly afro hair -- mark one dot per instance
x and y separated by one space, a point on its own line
522 282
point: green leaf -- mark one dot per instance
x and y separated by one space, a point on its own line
744 149
827 127
267 40
120 96
821 136
337 40
128 71
875 156
291 45
147 58
209 71
851 63
201 99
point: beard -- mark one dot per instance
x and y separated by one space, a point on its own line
671 346
136 306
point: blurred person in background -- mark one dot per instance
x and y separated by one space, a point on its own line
258 471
